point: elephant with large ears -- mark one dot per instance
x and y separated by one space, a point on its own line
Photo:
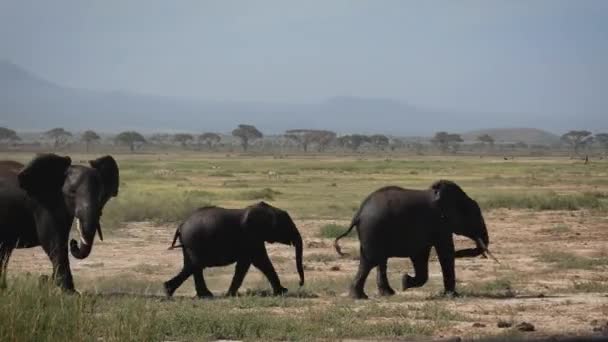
397 222
215 236
38 204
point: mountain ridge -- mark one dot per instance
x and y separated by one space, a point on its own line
30 102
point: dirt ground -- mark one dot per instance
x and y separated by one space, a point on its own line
537 291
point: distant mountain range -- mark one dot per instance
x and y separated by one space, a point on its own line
28 102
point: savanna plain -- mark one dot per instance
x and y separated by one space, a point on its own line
547 220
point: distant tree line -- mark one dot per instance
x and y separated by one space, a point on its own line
306 140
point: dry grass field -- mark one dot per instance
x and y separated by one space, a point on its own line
547 220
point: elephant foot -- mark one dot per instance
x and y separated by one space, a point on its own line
386 291
408 282
451 294
232 294
205 295
354 294
280 291
168 291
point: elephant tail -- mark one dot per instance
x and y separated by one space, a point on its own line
354 223
175 237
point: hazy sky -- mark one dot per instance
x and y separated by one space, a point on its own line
497 56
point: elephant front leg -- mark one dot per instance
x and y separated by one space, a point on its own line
421 269
239 274
62 274
263 263
445 253
5 254
384 288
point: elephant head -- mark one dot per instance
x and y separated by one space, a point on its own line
274 225
86 191
75 191
462 215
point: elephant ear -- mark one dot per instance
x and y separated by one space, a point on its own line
259 219
44 175
448 197
108 170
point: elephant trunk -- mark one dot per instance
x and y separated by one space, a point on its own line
297 242
81 249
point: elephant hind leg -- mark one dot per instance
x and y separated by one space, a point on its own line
384 288
175 282
358 285
201 287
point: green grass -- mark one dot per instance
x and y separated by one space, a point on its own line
332 231
262 194
42 313
564 260
173 206
548 201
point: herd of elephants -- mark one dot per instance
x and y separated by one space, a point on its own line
39 202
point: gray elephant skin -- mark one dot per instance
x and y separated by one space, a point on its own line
38 204
215 236
397 222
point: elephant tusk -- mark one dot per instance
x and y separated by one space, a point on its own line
79 229
486 250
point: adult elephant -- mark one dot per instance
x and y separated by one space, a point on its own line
397 222
214 236
39 201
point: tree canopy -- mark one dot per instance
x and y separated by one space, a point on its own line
445 141
353 141
59 135
246 133
209 138
183 138
7 134
89 137
576 139
305 137
130 138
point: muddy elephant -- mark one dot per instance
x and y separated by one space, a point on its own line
39 201
397 222
215 236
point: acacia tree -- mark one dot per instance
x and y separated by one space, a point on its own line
183 138
302 137
159 138
486 139
445 141
602 140
353 141
8 135
246 133
59 135
379 141
210 139
89 137
130 138
323 138
576 139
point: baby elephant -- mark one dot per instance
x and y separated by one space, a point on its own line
214 236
